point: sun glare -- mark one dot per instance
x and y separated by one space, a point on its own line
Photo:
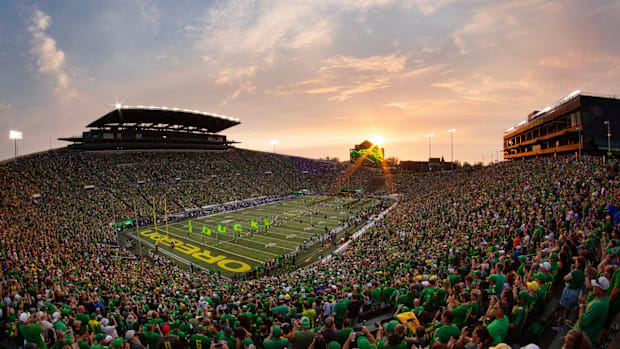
378 140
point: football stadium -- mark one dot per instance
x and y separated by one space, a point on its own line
179 233
133 226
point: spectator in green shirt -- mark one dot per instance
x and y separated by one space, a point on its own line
498 328
498 279
152 335
463 311
340 312
32 333
275 341
199 340
447 329
519 310
345 331
303 335
309 313
592 315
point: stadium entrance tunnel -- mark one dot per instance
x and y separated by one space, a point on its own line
221 261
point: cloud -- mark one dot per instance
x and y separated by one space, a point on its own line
345 77
504 21
429 7
320 90
228 76
390 64
242 77
259 29
5 108
50 59
233 34
577 60
360 87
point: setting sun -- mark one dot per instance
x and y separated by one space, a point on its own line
378 140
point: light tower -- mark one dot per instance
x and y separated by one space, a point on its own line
274 142
15 135
429 136
451 132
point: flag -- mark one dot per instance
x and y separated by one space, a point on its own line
206 230
190 227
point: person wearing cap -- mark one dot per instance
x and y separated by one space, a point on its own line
167 341
117 343
108 328
274 340
247 344
199 340
226 334
518 313
309 312
541 294
100 339
547 274
592 315
133 340
328 306
302 334
391 336
32 333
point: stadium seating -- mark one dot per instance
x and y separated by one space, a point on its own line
475 255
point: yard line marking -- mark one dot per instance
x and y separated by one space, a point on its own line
209 246
236 245
256 236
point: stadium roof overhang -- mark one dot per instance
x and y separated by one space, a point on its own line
164 117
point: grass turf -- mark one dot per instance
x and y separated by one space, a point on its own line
294 222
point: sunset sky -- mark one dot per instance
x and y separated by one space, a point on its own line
317 75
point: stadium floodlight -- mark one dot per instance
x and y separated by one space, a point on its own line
429 136
274 142
15 135
451 132
606 122
118 106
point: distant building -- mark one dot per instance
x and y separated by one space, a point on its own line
556 129
433 164
150 127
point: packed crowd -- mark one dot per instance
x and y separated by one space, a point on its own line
466 259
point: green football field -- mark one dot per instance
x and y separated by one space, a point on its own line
235 242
